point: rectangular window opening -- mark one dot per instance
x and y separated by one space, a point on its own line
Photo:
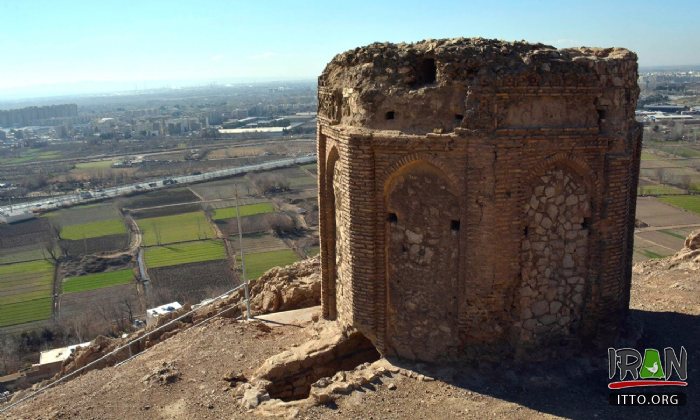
586 223
601 116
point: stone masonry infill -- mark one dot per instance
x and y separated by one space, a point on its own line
477 196
554 255
342 286
423 248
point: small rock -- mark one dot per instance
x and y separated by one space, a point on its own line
540 308
234 378
391 386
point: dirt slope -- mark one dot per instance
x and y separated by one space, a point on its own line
190 375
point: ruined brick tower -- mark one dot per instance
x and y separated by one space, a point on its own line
477 196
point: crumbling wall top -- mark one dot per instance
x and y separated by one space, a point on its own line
432 79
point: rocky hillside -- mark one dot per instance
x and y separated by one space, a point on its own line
279 289
197 370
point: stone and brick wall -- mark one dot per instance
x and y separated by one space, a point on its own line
477 195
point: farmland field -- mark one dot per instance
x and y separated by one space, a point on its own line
184 253
84 214
296 177
247 210
176 228
25 281
191 282
313 251
311 167
224 188
95 164
686 202
242 201
258 242
161 198
94 245
30 232
93 229
249 224
97 281
651 254
236 151
648 188
257 264
98 302
681 149
654 212
648 156
23 253
26 311
167 210
25 292
30 155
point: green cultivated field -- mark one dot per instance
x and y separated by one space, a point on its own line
674 234
93 229
97 164
97 281
310 167
651 254
176 228
248 210
26 311
658 189
313 251
25 281
84 214
184 253
649 156
25 292
30 155
257 264
26 253
686 202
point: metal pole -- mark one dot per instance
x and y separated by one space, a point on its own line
240 244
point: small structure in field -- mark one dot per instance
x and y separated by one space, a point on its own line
153 313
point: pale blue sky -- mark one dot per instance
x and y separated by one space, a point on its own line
59 46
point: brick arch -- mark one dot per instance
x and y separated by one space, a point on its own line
570 162
332 156
403 163
330 300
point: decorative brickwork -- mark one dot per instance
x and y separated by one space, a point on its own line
476 196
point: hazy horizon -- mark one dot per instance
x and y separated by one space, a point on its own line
64 48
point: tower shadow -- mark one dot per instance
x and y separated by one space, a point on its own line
577 388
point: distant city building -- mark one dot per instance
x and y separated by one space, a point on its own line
248 132
35 114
